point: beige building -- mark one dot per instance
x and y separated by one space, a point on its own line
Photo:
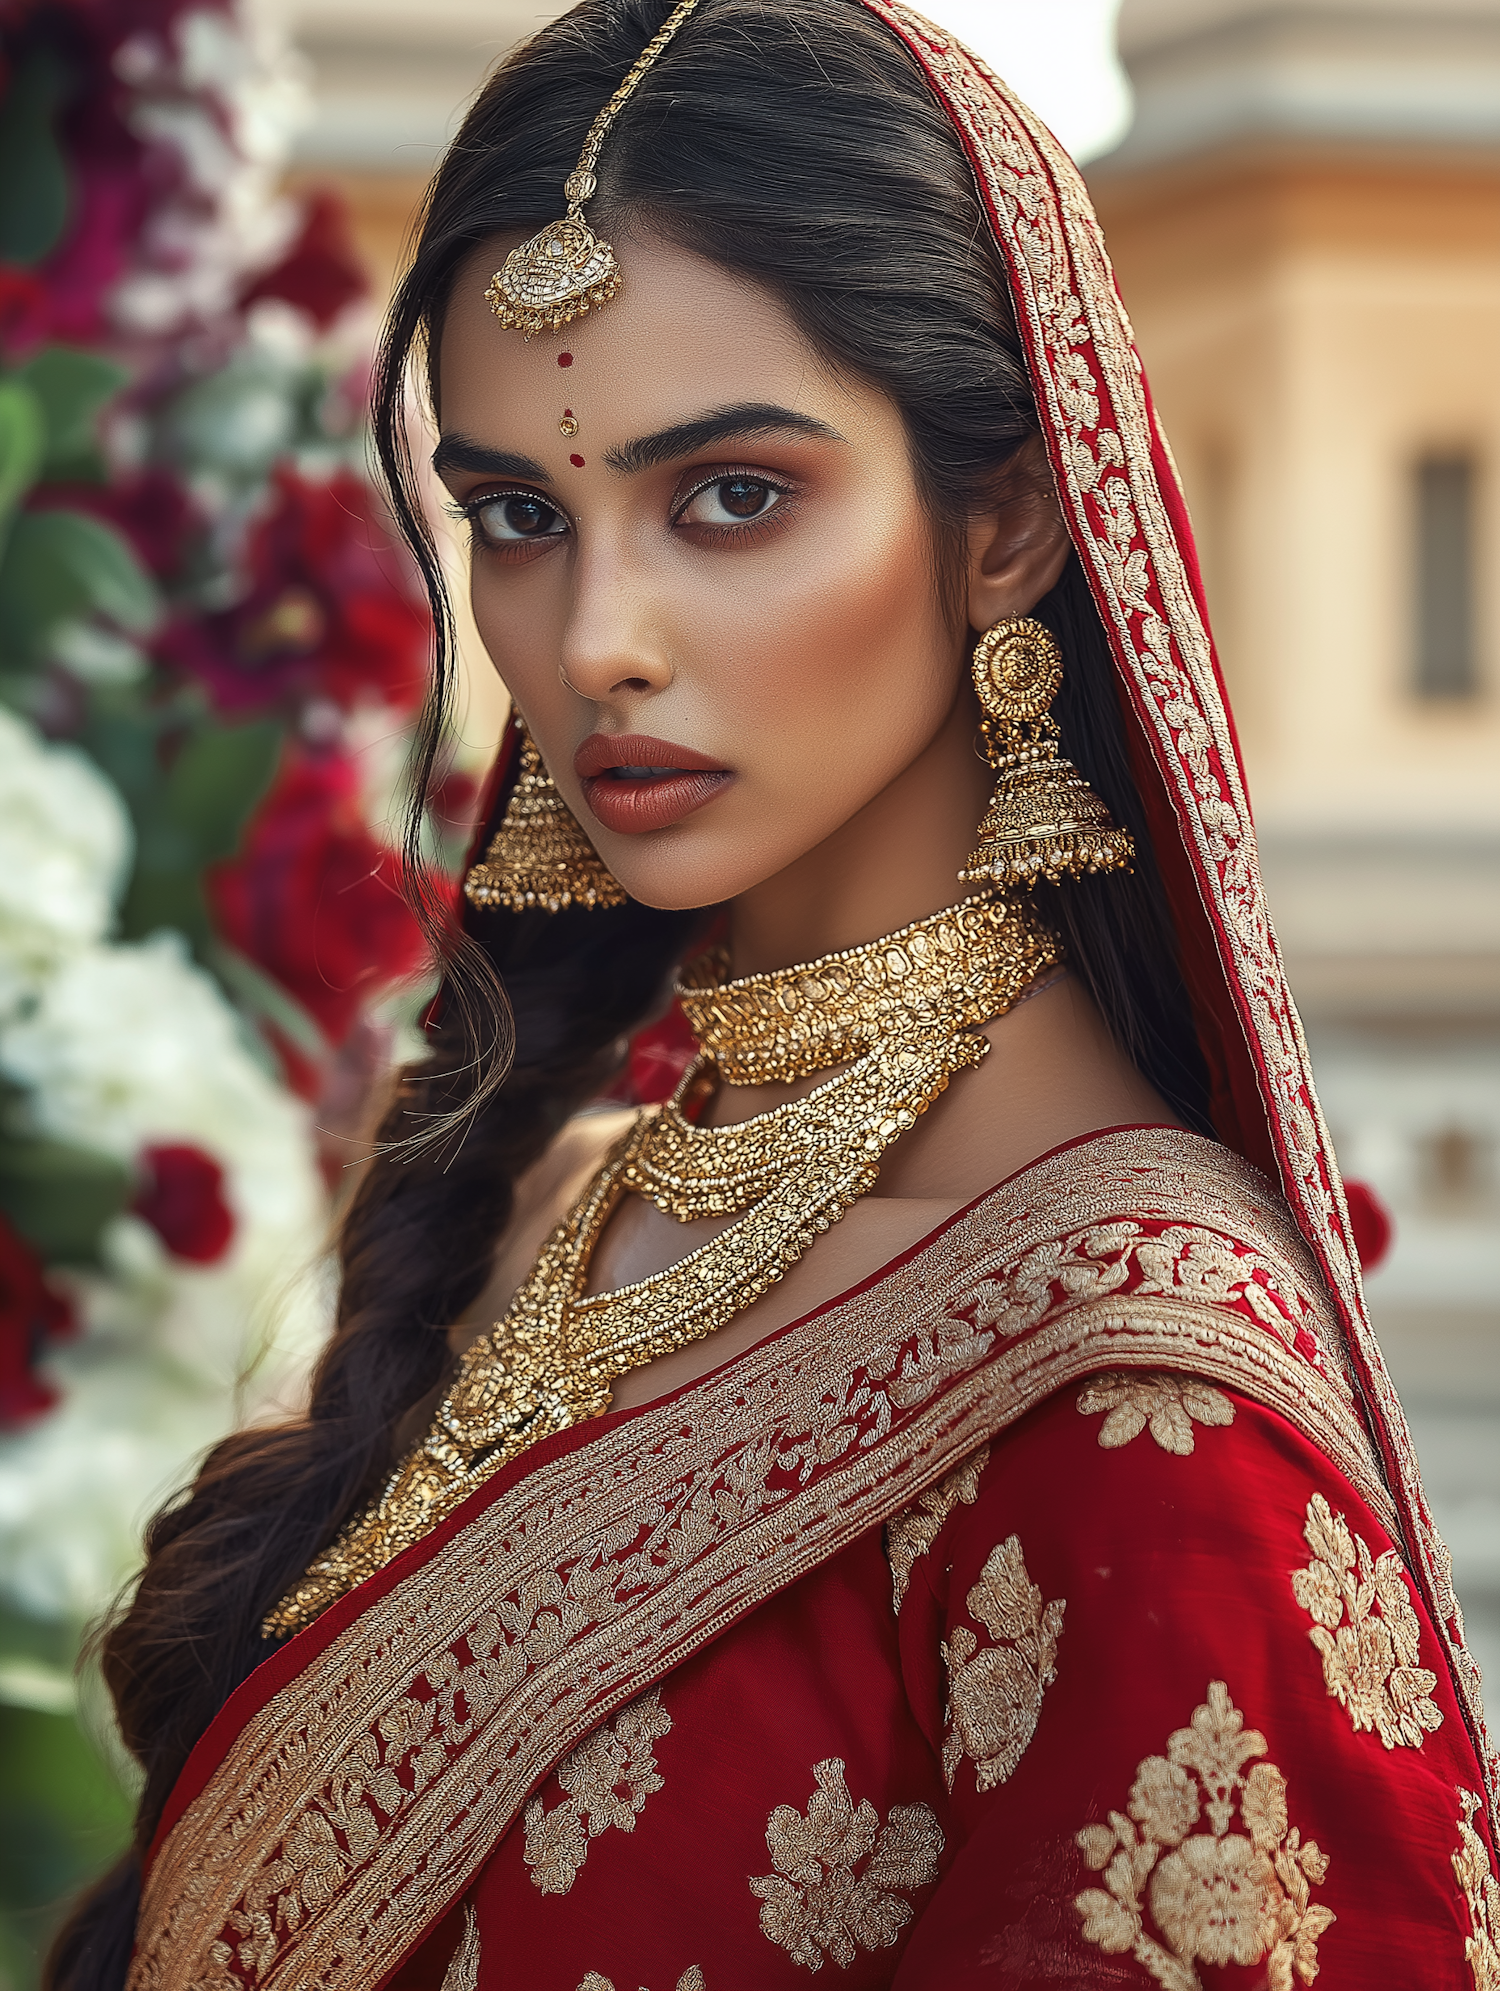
1305 217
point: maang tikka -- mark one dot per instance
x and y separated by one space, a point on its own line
539 857
566 269
1044 820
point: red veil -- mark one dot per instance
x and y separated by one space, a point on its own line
1125 512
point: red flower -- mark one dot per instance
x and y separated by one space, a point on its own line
327 614
183 1201
152 508
30 1314
321 272
314 899
23 312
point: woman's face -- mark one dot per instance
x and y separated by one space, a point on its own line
700 565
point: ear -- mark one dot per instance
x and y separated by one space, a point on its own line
1017 549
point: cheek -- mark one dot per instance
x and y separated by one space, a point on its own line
853 649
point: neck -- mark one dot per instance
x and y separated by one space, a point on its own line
894 862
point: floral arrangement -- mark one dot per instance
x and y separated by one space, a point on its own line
210 651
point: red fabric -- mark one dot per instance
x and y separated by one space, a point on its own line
1371 1222
1174 1572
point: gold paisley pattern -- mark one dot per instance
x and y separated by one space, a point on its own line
1167 1405
995 1694
309 1852
1174 1897
842 1877
692 1980
1481 1892
608 1778
462 1973
1364 1627
1091 388
912 1532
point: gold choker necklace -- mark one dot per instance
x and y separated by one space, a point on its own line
903 1009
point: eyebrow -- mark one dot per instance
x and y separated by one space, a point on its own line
735 424
457 451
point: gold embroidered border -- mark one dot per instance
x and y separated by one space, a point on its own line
1092 394
445 1703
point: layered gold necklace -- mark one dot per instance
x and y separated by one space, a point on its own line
898 1015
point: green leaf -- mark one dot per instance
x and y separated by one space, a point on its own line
60 1197
72 387
23 443
60 566
34 196
216 781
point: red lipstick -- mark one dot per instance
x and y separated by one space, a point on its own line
634 783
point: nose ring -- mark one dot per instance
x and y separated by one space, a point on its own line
564 680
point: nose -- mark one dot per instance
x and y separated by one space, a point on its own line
613 645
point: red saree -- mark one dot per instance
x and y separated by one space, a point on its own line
1060 1608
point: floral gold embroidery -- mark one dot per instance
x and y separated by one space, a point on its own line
912 1532
1216 1896
1365 1628
1169 1404
420 1724
608 1778
995 1696
1471 1865
840 1874
462 1973
692 1979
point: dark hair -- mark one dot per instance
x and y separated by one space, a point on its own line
801 148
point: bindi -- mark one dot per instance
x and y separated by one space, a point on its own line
569 422
565 359
576 461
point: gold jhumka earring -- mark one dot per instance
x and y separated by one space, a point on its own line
1044 820
566 269
539 856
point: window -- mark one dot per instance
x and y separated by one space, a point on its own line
1445 663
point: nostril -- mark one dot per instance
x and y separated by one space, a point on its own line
632 684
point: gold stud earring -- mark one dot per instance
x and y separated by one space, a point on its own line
539 856
1044 820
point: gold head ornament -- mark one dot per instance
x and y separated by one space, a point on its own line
565 269
1044 820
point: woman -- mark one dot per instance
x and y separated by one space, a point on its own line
830 1556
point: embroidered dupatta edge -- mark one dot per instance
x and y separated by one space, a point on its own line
352 1809
1127 518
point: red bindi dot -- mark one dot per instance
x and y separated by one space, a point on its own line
565 359
576 461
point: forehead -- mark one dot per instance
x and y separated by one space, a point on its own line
681 334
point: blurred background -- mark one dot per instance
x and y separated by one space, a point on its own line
210 653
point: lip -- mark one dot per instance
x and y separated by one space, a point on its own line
651 802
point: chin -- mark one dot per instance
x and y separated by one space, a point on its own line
684 873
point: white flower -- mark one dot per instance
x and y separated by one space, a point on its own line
125 1046
65 846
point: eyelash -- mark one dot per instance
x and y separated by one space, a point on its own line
779 514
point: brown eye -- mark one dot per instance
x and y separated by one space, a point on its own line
731 501
517 516
743 497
